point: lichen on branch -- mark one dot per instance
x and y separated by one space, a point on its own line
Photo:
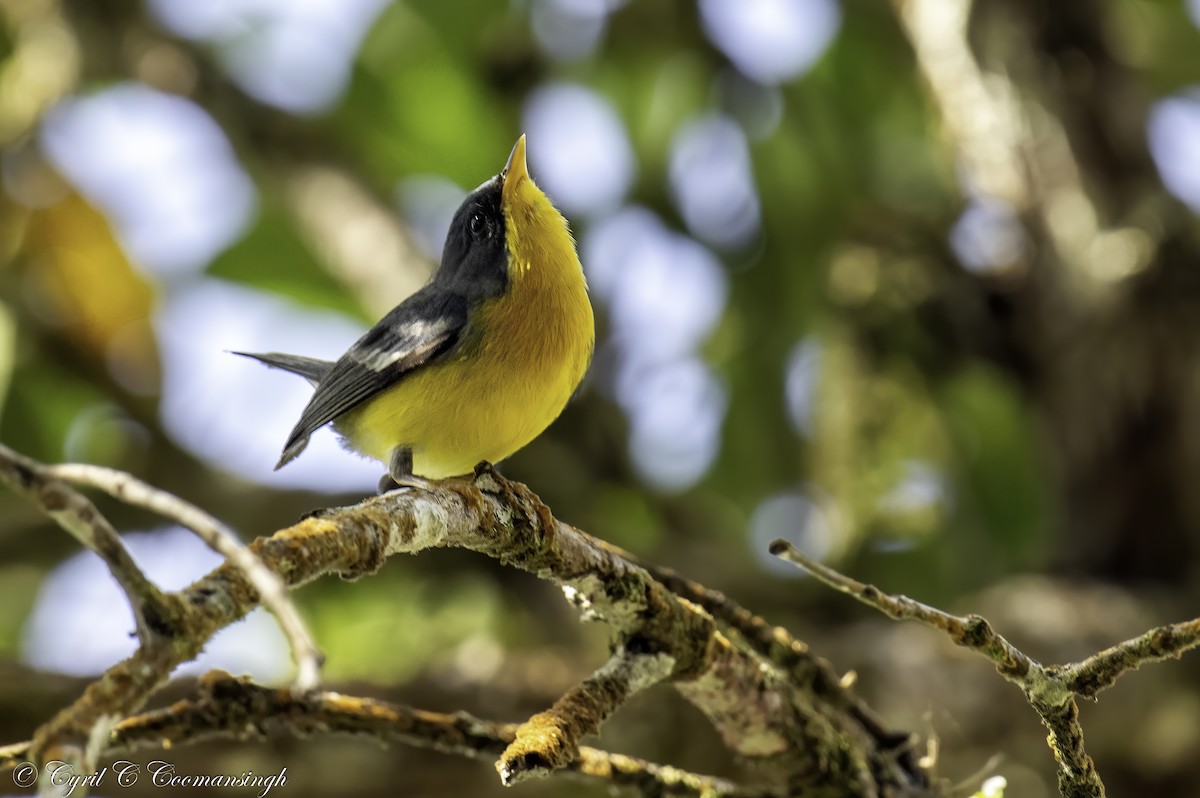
767 696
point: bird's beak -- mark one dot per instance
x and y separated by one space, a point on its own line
515 170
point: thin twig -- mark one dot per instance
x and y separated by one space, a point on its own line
1085 678
973 631
1050 695
1100 671
221 539
226 707
153 611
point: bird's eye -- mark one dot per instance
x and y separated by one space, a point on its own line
479 225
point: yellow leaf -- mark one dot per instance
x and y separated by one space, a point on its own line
86 287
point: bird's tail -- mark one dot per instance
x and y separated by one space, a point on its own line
292 450
309 368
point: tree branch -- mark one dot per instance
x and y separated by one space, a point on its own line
550 740
220 539
973 631
1100 671
777 645
796 736
1051 691
154 612
225 707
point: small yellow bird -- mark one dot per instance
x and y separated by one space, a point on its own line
476 364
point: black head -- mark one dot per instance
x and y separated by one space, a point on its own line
474 259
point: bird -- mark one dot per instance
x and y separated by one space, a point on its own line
478 362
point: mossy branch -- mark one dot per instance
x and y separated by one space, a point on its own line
767 695
227 707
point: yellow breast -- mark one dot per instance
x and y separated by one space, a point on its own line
522 358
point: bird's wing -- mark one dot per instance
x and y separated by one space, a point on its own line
420 330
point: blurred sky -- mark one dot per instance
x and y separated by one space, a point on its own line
82 622
163 172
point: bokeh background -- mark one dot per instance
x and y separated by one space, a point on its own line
916 288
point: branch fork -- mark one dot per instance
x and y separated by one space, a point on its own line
1051 691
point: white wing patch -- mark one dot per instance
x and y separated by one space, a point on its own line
419 332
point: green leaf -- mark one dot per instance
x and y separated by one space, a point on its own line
413 105
997 458
273 257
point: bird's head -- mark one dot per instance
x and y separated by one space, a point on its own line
503 230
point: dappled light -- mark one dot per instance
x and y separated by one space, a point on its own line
160 167
988 236
296 55
582 153
1174 131
712 183
771 40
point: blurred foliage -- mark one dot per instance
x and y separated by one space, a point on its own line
272 257
934 465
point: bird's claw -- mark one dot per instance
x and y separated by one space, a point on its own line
484 467
390 482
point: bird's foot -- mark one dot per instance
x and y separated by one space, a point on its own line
483 470
390 482
400 473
